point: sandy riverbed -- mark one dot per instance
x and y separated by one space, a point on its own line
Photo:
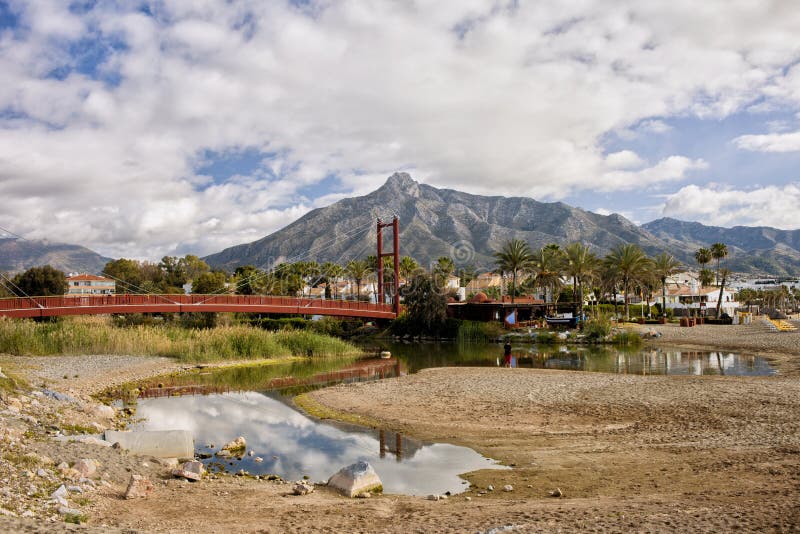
630 453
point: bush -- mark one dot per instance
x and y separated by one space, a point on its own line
478 332
597 329
546 338
627 339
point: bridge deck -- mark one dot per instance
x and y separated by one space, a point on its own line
105 304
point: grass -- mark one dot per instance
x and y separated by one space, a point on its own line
627 339
478 332
96 335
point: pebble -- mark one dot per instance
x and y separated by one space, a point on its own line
508 487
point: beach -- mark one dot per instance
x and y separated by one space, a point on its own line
625 452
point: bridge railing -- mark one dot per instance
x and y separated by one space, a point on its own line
168 300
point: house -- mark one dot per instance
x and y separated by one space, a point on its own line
484 281
698 299
89 284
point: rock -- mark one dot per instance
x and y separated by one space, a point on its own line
489 488
250 453
556 493
58 396
138 487
66 510
42 473
356 478
63 466
190 470
224 453
98 427
75 489
86 467
239 444
364 495
467 499
170 463
103 411
432 497
258 459
302 489
508 487
60 493
28 513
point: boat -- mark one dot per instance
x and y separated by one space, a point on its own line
564 320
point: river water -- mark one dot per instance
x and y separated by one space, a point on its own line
255 402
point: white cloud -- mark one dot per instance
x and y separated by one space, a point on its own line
776 142
514 102
766 206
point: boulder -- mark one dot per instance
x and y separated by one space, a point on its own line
301 488
190 470
239 444
85 467
356 478
103 411
158 443
138 487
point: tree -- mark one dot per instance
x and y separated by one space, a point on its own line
724 273
209 283
247 279
547 264
631 264
664 266
426 306
357 270
174 271
40 282
702 256
443 269
330 273
408 267
193 267
706 277
718 252
5 286
514 257
127 274
581 265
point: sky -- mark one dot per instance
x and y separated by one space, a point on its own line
150 128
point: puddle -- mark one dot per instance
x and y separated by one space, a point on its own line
293 445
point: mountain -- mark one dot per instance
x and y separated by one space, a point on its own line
434 222
470 228
20 254
756 249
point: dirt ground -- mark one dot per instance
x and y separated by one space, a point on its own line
629 453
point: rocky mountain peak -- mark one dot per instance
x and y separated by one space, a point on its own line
403 183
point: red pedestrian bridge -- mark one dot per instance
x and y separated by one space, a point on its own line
105 304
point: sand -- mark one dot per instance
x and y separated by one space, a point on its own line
629 453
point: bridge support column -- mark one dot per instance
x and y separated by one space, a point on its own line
395 225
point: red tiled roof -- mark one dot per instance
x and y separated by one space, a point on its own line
88 277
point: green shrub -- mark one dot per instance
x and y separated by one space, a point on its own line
597 329
627 339
546 338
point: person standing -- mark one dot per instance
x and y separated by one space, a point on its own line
507 354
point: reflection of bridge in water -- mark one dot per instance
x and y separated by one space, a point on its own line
359 371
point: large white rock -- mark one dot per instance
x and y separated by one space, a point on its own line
239 444
357 478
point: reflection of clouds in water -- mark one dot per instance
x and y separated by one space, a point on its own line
303 446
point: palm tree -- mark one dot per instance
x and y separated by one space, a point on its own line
408 267
443 269
664 266
706 277
631 264
358 270
581 265
725 273
514 257
718 252
702 256
331 272
548 263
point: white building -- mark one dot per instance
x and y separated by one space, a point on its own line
699 299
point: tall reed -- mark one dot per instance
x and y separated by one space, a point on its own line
94 335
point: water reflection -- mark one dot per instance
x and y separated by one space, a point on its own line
293 445
644 361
